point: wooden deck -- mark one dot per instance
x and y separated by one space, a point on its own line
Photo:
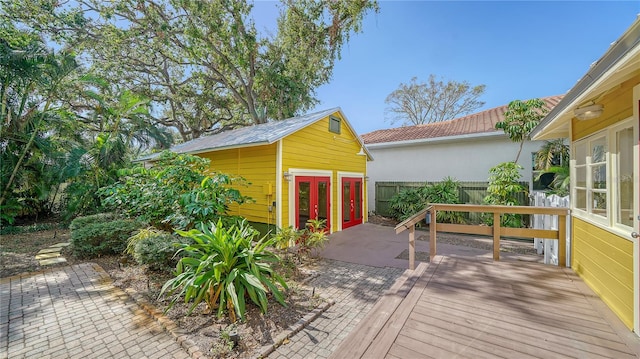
466 308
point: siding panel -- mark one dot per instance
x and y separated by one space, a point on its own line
315 148
605 262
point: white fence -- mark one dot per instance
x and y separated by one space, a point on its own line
550 246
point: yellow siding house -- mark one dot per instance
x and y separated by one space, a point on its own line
600 116
307 167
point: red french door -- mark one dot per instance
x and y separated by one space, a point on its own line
312 200
351 201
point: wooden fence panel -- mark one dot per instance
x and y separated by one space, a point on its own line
470 193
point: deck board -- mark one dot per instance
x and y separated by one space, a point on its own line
462 307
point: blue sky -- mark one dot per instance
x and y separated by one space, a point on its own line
518 49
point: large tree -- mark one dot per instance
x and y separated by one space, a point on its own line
204 64
417 103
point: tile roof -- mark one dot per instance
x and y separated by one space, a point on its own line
261 134
477 123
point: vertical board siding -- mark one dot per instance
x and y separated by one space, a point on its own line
617 107
315 148
605 263
257 165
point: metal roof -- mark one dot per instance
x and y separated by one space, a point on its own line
254 135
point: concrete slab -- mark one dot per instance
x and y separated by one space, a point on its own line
47 255
49 250
378 246
50 261
63 244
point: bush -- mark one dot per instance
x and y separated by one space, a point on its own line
179 192
222 267
154 248
410 201
100 238
92 219
503 190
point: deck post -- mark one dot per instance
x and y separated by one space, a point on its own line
432 235
496 236
562 240
412 247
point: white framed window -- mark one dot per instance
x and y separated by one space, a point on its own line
603 177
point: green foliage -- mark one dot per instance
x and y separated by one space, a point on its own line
504 188
285 237
520 118
101 238
154 248
410 201
164 51
553 157
29 229
222 267
176 192
84 221
433 101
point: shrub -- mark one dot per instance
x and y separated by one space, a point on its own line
100 238
222 267
410 201
154 248
503 190
84 221
179 191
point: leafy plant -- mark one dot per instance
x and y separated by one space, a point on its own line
153 247
223 266
408 202
177 192
313 237
520 118
447 191
285 237
503 189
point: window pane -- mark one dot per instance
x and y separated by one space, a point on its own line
599 204
625 193
581 176
599 176
581 153
598 150
581 199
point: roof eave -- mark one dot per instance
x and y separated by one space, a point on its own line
471 136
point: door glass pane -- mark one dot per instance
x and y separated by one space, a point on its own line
581 176
323 200
599 176
357 201
303 203
599 204
581 153
346 201
598 150
624 151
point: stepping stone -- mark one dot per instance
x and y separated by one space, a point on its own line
50 250
47 255
60 245
46 262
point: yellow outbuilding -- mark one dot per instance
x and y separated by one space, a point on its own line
308 167
600 116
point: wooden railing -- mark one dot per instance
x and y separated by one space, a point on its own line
496 230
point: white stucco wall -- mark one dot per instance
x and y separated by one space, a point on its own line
467 159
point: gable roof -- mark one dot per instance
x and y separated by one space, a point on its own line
256 135
620 63
474 125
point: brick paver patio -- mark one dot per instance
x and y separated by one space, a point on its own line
355 288
76 312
